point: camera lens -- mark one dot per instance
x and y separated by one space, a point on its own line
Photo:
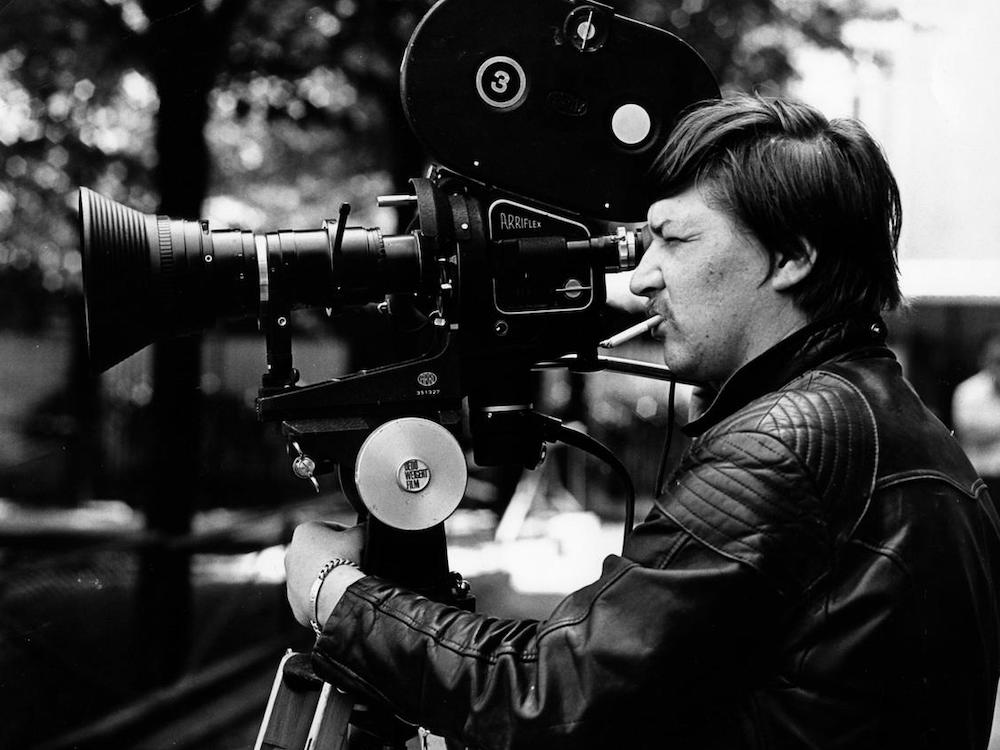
149 277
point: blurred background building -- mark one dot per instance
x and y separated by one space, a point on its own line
142 511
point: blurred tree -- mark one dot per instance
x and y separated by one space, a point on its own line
183 49
310 102
331 65
72 111
750 44
69 114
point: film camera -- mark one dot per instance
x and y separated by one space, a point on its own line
541 118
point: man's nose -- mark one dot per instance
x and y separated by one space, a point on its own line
646 278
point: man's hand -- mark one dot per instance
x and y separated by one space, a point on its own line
313 544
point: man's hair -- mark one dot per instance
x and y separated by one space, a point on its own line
790 176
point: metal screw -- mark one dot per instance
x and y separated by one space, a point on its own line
460 585
572 288
586 30
303 467
208 258
282 321
500 328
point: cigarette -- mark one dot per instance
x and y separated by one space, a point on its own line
630 333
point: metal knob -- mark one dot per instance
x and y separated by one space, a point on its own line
304 467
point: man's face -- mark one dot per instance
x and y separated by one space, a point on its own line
705 276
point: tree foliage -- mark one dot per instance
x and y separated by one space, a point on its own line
72 112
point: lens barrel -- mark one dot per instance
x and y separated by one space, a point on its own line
149 277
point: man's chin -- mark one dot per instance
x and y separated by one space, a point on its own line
685 369
678 364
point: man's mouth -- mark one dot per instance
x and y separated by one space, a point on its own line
659 329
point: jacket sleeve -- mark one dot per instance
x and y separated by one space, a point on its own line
663 630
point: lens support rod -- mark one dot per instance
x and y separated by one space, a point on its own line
275 317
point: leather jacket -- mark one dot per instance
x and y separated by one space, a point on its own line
821 573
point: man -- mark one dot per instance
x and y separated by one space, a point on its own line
976 413
822 570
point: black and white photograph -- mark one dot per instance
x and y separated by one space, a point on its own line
499 374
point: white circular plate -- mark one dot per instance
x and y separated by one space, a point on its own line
411 473
631 124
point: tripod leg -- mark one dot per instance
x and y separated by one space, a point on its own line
303 712
328 730
424 740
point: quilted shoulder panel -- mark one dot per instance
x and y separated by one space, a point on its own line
780 481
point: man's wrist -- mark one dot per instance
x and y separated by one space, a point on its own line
333 589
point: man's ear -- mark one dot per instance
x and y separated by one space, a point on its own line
791 269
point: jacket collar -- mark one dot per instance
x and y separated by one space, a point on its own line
816 343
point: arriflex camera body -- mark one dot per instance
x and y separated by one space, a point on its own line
542 118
